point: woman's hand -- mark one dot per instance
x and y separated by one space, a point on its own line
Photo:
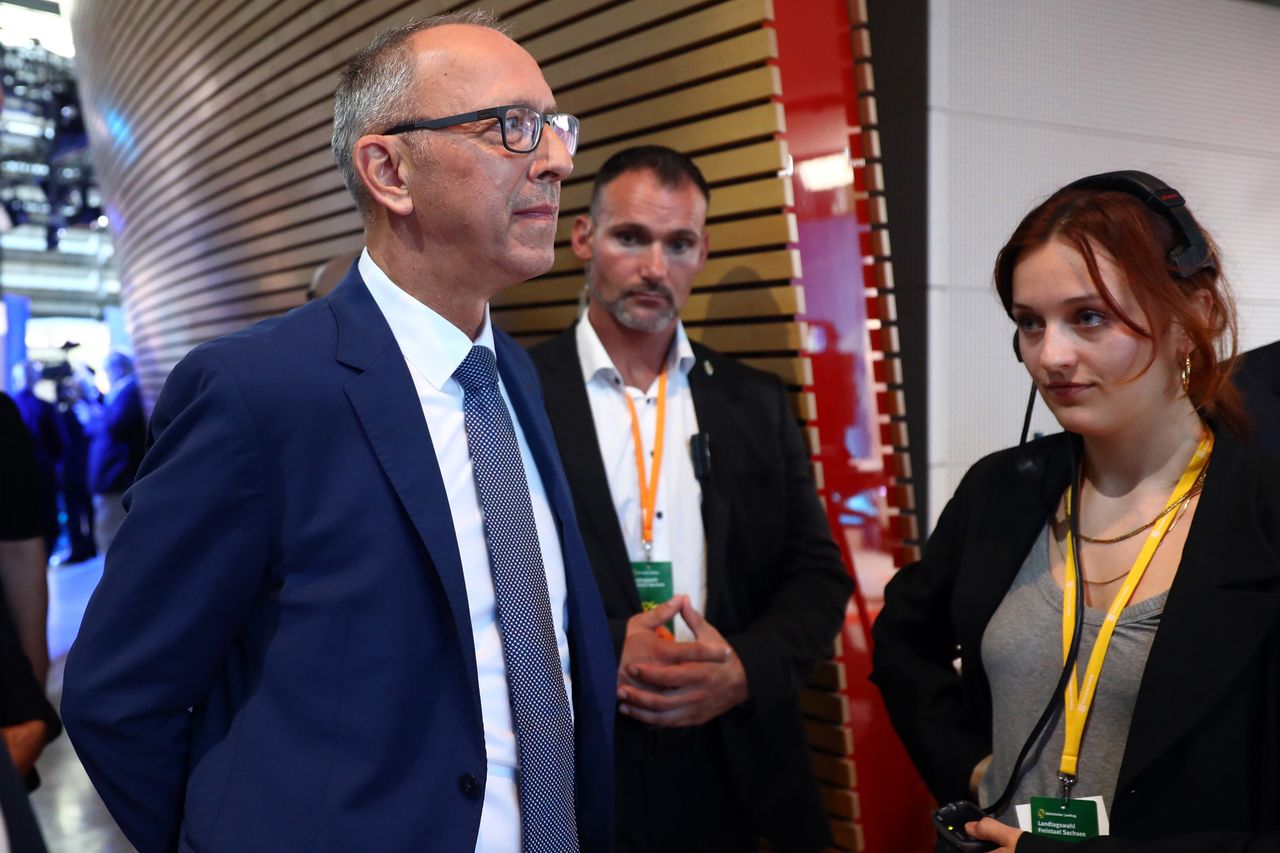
976 777
990 829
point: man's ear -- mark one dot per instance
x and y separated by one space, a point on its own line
583 237
384 170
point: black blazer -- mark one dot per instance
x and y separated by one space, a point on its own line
1258 379
1201 767
776 586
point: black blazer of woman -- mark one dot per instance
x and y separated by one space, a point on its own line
1201 767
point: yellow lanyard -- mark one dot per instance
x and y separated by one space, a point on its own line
649 485
1079 701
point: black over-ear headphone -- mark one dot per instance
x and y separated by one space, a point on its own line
1190 256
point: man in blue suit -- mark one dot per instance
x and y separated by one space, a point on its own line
117 430
307 636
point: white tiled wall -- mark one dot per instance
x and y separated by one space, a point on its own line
1026 95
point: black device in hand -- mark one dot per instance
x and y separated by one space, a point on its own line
949 822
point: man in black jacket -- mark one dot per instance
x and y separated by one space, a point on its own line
696 501
1258 379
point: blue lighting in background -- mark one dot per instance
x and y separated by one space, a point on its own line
121 134
115 219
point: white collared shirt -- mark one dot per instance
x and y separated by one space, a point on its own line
677 522
433 348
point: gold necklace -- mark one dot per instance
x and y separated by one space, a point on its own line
1195 489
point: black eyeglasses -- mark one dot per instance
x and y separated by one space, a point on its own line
521 126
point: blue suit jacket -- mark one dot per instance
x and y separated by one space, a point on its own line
117 437
279 656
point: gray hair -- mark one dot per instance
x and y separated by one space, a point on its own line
375 86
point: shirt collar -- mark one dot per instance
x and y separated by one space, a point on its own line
595 360
431 344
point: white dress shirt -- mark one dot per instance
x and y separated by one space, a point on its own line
433 348
678 536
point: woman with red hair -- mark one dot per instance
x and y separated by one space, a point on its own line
1112 592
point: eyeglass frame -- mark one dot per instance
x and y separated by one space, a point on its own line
499 113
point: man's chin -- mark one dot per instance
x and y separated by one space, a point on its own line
651 323
530 262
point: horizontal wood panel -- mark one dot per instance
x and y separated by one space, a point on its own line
750 337
751 48
720 305
832 739
792 371
743 125
824 706
639 48
833 771
746 87
840 802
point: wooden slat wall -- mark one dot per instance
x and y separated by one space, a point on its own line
881 304
210 124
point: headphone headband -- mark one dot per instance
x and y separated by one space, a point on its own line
1192 255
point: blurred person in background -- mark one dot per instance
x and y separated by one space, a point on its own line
43 424
117 430
73 476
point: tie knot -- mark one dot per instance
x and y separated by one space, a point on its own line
478 371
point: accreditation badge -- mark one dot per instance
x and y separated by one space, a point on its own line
654 583
1078 819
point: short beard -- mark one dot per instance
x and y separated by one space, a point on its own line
623 315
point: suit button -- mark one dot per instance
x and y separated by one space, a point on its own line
469 786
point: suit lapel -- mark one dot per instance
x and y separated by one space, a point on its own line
382 393
714 410
1025 500
566 395
1222 605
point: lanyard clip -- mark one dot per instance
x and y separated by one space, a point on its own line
1068 781
648 550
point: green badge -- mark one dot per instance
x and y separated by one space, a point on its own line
654 583
1075 821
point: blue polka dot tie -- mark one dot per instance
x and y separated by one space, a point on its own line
539 705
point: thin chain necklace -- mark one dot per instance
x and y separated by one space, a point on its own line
1181 512
1195 489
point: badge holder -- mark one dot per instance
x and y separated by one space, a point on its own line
949 821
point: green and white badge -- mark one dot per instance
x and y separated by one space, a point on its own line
1078 819
655 584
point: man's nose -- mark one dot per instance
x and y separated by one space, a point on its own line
551 161
655 263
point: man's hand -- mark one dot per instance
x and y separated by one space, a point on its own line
990 829
689 692
25 742
648 641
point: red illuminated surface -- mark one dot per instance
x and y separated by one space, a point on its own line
816 64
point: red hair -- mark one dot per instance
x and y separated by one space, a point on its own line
1138 241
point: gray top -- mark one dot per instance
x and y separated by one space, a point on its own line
1022 656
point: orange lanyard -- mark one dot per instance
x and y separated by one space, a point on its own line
649 485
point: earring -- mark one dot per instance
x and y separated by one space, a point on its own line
1186 372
